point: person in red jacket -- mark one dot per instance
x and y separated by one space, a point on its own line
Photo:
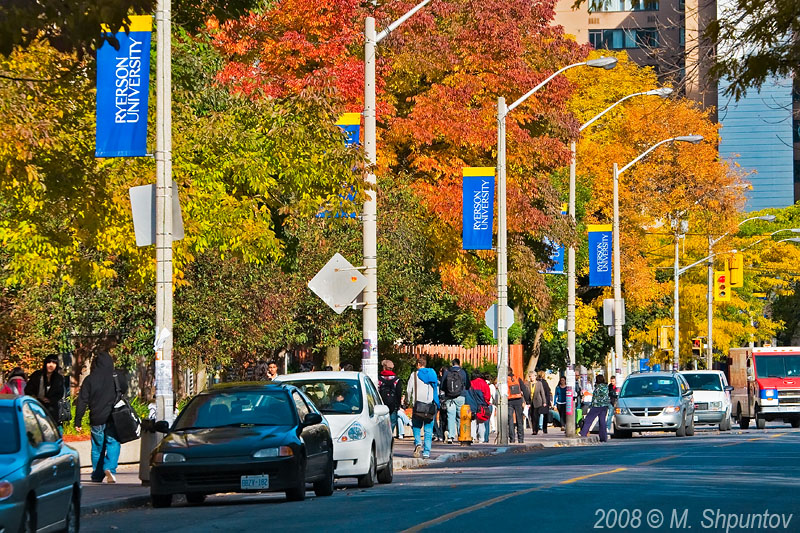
479 427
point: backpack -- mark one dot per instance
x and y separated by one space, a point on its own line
483 414
453 383
387 389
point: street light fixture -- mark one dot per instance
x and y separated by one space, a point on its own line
694 139
369 353
571 281
502 259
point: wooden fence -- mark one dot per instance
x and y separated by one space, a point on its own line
475 356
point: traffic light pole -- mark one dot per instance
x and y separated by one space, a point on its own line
710 299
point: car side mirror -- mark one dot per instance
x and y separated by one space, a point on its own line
381 410
728 388
47 449
312 418
750 374
162 426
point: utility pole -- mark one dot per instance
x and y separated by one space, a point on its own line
502 274
163 156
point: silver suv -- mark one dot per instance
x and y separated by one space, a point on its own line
654 401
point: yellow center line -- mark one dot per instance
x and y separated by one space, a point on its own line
777 435
654 461
498 499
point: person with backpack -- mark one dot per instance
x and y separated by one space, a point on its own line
561 401
391 390
423 395
47 385
454 383
601 402
15 384
516 393
483 397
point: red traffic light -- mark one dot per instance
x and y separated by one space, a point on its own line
696 343
721 279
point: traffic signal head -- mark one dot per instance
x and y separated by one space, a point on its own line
736 266
722 289
697 346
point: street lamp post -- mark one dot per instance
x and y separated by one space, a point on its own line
710 294
694 139
571 281
369 354
502 260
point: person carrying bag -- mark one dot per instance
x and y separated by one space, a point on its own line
423 387
126 421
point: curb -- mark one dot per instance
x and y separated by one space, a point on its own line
127 502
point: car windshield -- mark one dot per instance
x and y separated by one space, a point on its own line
649 386
704 381
238 408
778 366
333 396
9 430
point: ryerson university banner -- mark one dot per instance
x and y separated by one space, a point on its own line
122 87
600 249
478 208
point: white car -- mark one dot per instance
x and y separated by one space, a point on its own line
712 397
359 422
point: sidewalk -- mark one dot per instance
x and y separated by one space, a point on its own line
129 492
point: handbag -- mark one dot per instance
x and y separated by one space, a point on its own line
423 410
126 422
64 407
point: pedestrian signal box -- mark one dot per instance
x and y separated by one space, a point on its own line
697 347
736 266
722 288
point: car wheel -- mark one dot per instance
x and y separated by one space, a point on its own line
160 501
72 520
195 497
761 423
744 422
29 517
370 478
325 486
298 492
795 422
690 429
681 431
387 474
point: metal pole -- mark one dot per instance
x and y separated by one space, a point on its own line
369 354
570 422
163 156
502 265
617 284
710 299
676 302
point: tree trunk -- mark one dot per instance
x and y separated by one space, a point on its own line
536 351
331 357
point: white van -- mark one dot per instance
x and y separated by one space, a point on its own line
712 397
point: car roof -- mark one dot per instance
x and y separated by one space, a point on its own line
657 374
8 399
702 372
246 386
316 376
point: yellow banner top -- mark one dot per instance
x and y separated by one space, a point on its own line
591 228
479 171
138 23
349 119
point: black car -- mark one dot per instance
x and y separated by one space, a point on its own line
243 437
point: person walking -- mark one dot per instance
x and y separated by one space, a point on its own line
613 393
454 382
480 388
15 384
391 390
538 404
516 389
560 398
423 387
47 385
99 392
495 401
272 371
600 404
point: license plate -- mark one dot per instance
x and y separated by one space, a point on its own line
255 482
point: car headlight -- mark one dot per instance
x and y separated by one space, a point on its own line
715 406
672 409
6 490
168 457
769 394
354 432
622 411
282 451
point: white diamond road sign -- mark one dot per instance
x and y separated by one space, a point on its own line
338 283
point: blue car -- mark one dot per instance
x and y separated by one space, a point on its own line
40 486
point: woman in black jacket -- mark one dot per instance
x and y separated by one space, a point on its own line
47 385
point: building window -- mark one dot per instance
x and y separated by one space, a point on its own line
619 39
682 36
622 5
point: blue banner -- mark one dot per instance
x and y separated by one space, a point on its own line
123 79
556 257
600 249
478 208
350 124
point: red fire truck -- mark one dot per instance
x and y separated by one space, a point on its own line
766 385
